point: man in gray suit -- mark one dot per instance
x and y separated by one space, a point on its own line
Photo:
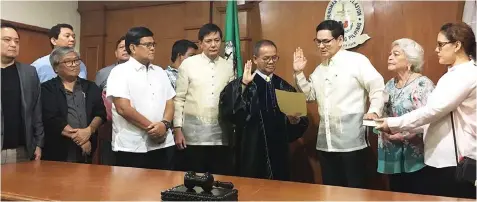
22 127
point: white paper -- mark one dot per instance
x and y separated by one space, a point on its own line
370 123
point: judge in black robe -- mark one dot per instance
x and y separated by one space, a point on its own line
262 133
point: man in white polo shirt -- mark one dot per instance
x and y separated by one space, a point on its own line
143 106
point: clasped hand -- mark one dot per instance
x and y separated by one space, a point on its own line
156 130
80 137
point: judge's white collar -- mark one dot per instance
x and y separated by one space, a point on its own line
264 77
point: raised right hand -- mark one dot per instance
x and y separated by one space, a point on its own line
247 73
299 60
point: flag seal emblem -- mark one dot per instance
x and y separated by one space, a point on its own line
350 14
229 50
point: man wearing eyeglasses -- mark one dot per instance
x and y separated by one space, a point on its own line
262 131
72 109
21 124
340 85
143 106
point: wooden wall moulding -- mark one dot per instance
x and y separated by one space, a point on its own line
245 39
27 27
192 27
85 6
243 7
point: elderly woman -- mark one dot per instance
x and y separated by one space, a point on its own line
450 109
72 110
401 155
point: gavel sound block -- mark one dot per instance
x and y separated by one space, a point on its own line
201 188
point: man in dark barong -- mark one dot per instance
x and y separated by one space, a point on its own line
262 132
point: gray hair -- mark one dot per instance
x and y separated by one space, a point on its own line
58 53
413 52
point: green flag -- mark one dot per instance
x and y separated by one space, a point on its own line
232 37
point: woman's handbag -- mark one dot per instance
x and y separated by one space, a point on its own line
466 168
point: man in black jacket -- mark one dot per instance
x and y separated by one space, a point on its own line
262 131
72 110
21 126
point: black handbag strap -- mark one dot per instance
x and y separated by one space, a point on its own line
455 141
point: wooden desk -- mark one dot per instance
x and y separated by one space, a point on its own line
45 180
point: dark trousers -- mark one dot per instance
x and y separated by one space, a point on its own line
442 182
347 169
107 156
160 158
201 159
414 182
156 159
130 159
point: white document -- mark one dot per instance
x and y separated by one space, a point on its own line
371 123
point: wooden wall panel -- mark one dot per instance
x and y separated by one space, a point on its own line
197 13
163 51
117 24
33 45
158 19
109 48
191 34
168 22
34 42
96 24
93 38
92 50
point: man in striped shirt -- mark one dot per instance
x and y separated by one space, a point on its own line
181 50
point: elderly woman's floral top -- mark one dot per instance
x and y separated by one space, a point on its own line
406 155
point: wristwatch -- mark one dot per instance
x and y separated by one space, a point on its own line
167 124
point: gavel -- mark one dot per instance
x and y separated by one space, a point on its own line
206 182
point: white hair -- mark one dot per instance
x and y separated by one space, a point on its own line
413 52
57 55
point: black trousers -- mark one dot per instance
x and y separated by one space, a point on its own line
414 182
442 182
160 158
107 156
347 169
201 159
156 159
130 159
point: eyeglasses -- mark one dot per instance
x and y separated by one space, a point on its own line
442 44
325 42
72 63
148 45
272 58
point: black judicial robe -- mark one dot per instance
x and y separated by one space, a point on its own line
262 133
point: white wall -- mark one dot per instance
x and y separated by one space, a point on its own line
44 14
